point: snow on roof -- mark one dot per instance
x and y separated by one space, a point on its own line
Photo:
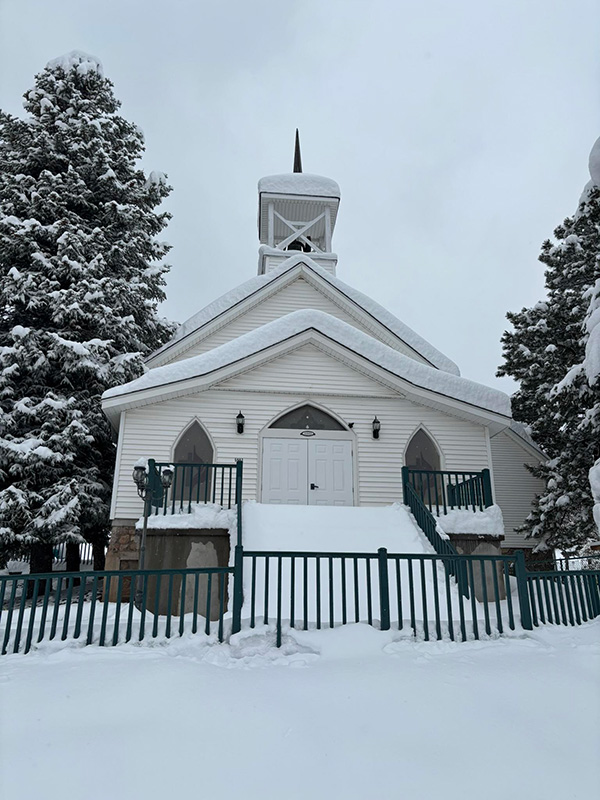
299 183
361 343
244 290
83 62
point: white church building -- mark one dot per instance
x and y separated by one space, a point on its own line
324 394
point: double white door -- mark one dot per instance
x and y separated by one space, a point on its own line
307 472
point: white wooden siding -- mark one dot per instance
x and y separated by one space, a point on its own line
306 369
298 295
268 391
514 486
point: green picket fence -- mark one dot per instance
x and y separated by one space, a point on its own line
564 597
107 608
388 590
431 597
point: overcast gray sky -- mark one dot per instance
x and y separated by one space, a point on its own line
458 130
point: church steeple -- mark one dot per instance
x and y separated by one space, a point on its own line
296 213
297 156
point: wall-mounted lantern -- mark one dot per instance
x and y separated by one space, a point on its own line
239 421
376 428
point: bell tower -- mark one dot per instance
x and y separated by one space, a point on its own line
296 213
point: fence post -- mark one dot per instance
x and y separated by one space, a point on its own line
239 465
404 485
524 602
486 481
384 589
238 589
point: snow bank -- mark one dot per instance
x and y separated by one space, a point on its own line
382 315
314 591
355 340
489 521
352 713
299 183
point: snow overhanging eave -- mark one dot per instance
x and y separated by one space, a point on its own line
114 405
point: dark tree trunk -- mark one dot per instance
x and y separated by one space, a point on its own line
40 561
99 555
73 557
41 557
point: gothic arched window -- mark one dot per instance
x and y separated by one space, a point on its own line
193 448
422 452
309 418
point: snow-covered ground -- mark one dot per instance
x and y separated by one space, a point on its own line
348 713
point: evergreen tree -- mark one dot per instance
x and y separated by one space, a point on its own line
544 353
80 280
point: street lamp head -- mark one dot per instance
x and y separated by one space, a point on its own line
166 477
140 476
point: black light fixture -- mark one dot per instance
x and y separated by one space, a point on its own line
166 477
376 428
240 419
140 476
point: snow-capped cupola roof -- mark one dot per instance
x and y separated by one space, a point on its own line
183 376
301 183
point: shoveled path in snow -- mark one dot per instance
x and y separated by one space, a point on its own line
359 529
351 713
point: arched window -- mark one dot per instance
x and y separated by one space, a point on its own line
193 448
422 453
308 417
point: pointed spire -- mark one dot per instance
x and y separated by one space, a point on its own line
297 156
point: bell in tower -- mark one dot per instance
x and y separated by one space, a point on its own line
296 212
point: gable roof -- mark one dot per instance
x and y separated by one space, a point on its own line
228 301
358 345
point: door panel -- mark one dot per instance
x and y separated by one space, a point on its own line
292 466
330 471
285 472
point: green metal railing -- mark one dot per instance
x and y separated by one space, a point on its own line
428 524
317 590
107 608
196 483
445 490
432 597
564 598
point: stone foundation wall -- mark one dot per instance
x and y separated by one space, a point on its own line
123 553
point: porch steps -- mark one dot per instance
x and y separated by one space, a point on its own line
355 529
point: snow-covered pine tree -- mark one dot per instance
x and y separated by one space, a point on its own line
591 360
542 353
81 275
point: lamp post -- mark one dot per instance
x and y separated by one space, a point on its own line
146 480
